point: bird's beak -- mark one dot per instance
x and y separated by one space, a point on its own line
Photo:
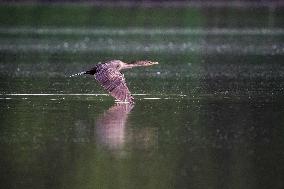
149 63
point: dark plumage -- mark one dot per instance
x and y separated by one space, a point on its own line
111 79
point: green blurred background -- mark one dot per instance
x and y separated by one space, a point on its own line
210 115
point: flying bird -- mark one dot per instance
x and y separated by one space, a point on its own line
112 80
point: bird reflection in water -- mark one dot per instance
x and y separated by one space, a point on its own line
111 126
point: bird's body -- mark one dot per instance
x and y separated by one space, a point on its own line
112 80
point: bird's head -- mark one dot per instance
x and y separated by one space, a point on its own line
119 65
137 64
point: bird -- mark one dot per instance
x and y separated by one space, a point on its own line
109 76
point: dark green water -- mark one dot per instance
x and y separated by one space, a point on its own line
210 115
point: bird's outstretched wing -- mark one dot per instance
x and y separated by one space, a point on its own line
114 82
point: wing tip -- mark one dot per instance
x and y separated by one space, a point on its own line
129 99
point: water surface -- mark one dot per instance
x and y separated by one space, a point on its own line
210 115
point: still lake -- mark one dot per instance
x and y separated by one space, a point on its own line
210 115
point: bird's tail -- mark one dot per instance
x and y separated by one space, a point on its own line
80 73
